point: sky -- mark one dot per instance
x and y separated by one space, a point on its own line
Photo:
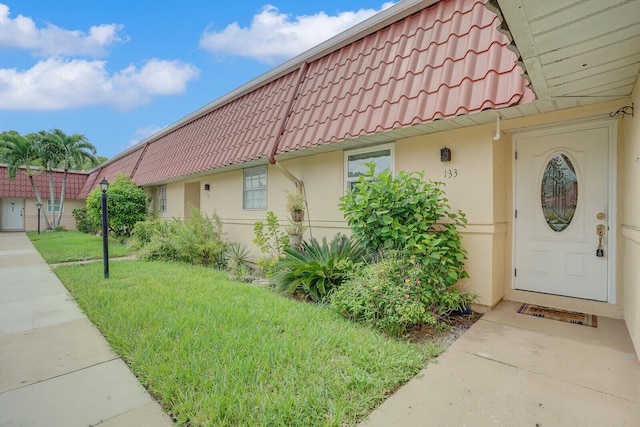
118 71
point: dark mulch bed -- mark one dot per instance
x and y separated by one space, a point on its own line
456 325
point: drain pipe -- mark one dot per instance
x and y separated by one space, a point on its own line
272 155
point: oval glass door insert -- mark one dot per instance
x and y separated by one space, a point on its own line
559 194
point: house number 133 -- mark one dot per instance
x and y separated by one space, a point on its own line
450 173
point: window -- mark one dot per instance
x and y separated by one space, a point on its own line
56 205
355 162
161 198
254 191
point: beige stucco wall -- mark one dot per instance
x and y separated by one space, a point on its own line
31 214
629 214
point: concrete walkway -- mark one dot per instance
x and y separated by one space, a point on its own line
511 369
56 369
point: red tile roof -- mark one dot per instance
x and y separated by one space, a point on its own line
125 165
242 130
442 62
21 186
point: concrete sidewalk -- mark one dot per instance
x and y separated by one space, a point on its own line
511 369
56 369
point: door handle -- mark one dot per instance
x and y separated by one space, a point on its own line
601 230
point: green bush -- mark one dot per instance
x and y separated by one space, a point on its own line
198 240
410 223
317 268
83 224
127 204
144 231
394 295
399 212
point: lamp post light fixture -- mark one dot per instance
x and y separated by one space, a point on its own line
39 206
104 185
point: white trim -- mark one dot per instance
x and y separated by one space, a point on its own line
371 149
572 126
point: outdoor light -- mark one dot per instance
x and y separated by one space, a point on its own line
207 187
39 206
445 154
104 185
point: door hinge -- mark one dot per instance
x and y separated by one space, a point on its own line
516 215
516 155
515 272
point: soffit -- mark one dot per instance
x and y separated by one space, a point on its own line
577 52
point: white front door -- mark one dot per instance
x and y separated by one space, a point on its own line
561 201
12 214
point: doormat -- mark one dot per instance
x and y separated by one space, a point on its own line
561 315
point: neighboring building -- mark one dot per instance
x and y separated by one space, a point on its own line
539 159
18 201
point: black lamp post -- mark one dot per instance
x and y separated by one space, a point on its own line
104 185
39 206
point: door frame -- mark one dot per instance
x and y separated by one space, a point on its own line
612 126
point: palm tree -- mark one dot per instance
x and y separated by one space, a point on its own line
77 152
19 151
50 154
59 150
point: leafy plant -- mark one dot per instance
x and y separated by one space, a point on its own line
127 204
411 215
398 212
83 224
317 268
198 240
237 260
271 240
295 201
396 294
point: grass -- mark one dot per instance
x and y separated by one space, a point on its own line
218 353
66 246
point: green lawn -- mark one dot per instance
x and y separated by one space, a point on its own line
66 246
221 353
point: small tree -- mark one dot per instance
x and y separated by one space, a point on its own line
126 205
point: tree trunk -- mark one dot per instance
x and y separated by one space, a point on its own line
38 197
64 189
52 198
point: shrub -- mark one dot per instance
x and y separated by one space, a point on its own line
399 212
198 240
394 295
410 215
144 231
127 204
271 240
317 268
83 223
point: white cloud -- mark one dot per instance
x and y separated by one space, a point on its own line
144 132
22 33
56 84
275 36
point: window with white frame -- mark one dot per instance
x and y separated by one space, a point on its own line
56 205
356 162
161 198
254 189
